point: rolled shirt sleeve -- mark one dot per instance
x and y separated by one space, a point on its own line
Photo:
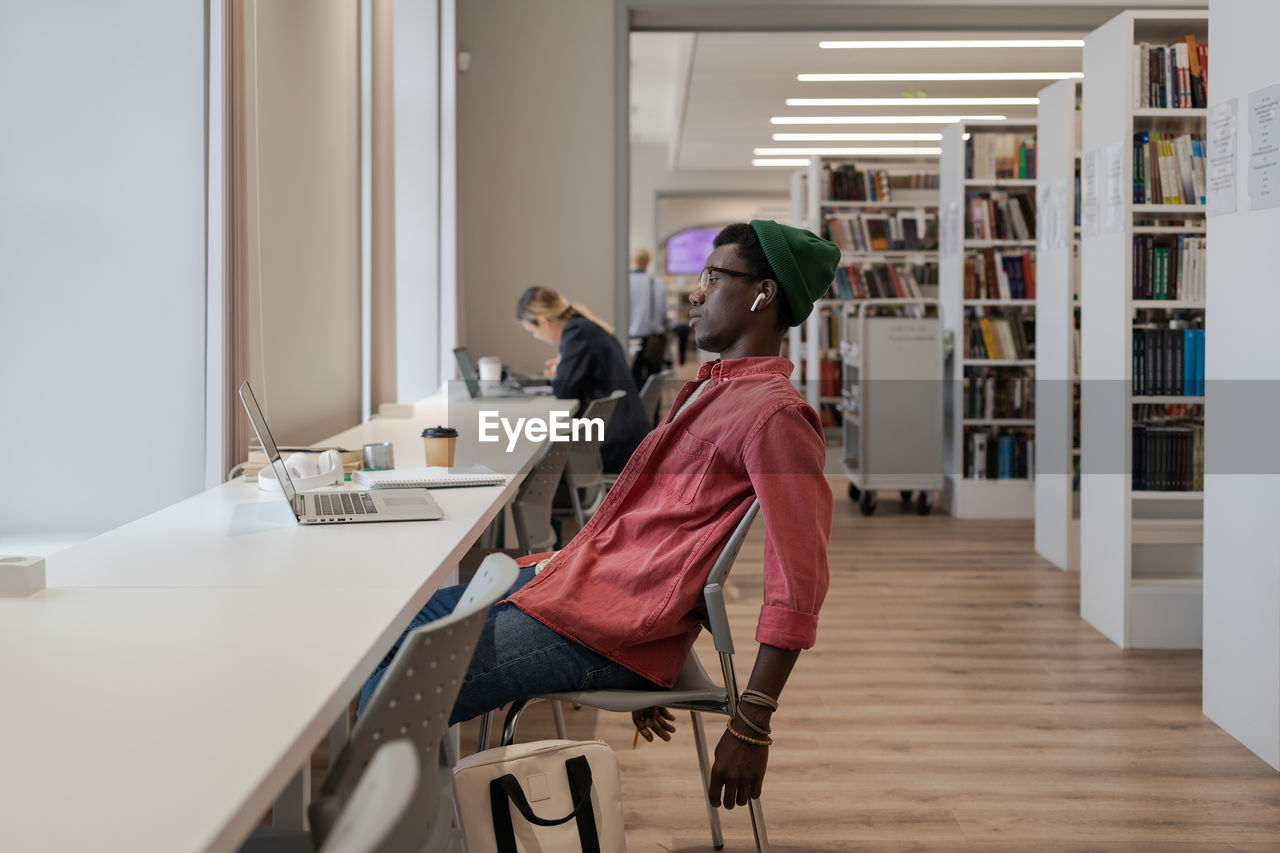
785 459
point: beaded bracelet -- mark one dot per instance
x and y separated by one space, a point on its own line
743 717
755 697
751 740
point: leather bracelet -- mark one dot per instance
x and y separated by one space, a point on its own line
745 719
728 727
755 697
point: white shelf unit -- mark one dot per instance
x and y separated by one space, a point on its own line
807 196
975 497
1141 561
1241 502
1057 527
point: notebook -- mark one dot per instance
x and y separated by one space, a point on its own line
428 478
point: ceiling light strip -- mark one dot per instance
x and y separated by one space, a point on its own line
880 119
912 102
891 77
781 161
948 43
845 152
857 137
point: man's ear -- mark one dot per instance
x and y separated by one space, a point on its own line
771 292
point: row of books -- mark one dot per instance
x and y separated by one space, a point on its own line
990 396
1168 169
849 183
1000 156
989 274
1001 215
1168 362
913 231
996 455
1174 76
1166 266
882 281
1001 337
1168 458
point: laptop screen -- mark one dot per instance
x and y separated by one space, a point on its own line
268 443
467 368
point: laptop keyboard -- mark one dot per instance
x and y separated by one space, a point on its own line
345 503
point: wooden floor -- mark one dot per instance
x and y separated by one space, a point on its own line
956 701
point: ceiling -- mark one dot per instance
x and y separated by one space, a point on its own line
710 96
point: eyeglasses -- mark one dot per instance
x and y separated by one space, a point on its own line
711 277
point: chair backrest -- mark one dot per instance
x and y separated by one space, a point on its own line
713 589
416 695
651 394
531 508
585 467
380 816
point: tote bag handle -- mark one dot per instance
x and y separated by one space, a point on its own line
506 789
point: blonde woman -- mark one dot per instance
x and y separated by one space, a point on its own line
591 364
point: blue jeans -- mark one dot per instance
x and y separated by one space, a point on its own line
516 657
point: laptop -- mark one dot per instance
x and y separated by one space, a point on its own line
338 505
524 386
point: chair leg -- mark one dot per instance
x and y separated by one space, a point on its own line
483 742
557 712
757 825
713 816
577 507
513 719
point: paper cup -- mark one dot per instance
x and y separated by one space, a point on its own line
439 444
490 369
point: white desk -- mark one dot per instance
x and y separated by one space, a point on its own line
180 669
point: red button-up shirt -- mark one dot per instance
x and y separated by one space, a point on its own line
629 585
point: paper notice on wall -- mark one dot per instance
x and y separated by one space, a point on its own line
1220 168
949 229
1044 215
1113 200
1089 194
1264 148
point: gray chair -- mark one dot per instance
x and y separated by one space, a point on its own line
380 816
651 394
584 472
413 702
694 690
531 508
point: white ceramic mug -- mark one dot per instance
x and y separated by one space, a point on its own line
490 369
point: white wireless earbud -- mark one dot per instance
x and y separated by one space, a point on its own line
755 306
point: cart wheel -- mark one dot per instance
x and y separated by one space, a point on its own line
867 503
905 495
854 492
924 503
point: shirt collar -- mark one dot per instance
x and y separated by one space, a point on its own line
734 368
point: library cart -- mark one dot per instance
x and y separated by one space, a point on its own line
893 422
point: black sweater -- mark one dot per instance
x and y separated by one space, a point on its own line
593 365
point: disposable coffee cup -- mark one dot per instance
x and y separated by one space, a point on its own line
439 442
378 456
490 369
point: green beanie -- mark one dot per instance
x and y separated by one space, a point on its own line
804 263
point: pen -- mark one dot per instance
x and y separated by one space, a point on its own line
636 740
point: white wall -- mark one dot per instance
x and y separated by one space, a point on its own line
303 170
1242 489
535 164
102 261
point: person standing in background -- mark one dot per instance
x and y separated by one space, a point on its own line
648 318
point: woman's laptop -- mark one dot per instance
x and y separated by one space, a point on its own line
338 506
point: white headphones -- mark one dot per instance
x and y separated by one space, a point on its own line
307 471
755 306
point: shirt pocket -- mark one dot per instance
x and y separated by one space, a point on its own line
685 465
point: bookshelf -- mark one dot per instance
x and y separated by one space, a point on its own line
1241 595
986 284
1141 552
896 194
1058 457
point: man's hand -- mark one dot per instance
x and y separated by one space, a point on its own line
656 720
738 771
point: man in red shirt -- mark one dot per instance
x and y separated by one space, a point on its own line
618 606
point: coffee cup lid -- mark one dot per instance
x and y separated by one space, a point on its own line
440 432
